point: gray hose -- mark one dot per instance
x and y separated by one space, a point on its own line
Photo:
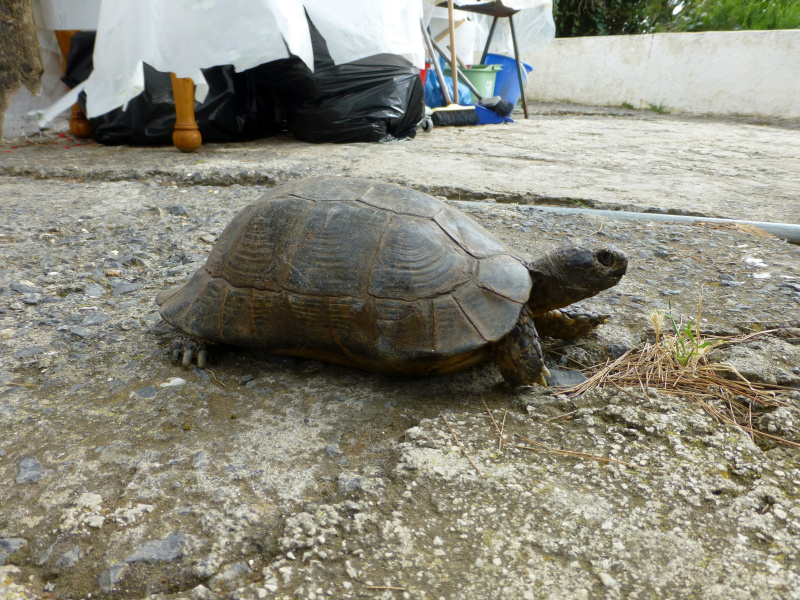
787 231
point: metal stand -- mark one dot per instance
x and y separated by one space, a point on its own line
497 10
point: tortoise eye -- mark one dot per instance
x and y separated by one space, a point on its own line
605 258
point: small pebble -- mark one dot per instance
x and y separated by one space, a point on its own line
173 382
95 318
93 290
179 210
28 352
607 580
126 288
146 392
30 471
200 460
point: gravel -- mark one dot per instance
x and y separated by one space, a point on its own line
123 475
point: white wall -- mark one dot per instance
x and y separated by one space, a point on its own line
753 73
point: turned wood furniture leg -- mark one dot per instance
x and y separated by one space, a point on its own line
79 125
186 136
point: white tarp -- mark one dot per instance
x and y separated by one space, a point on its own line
355 29
533 24
182 37
185 36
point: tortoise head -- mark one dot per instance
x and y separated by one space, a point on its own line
571 273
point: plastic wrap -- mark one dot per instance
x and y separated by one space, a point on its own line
186 36
356 29
378 98
235 107
374 99
232 110
533 23
534 27
433 92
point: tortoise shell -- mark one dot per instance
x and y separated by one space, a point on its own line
355 272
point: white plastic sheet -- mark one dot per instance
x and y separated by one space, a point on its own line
66 14
533 23
355 29
185 36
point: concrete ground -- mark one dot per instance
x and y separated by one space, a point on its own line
123 475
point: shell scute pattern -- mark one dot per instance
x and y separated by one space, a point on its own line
335 250
256 253
401 200
417 260
468 234
492 315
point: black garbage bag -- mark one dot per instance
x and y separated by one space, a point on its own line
79 58
375 99
234 108
230 112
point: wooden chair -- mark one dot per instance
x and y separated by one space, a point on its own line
79 125
185 136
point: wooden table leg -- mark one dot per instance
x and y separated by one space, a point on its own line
186 136
79 125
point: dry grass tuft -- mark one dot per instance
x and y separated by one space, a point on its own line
676 363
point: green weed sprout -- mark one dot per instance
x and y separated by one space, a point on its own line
684 343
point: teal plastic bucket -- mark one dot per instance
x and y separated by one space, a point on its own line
506 83
481 76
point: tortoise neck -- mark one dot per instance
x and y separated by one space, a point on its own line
548 287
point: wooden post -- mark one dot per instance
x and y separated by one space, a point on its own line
79 125
186 136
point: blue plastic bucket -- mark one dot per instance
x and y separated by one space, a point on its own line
507 83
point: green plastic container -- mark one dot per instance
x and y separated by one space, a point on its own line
481 76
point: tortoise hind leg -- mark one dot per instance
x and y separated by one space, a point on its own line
519 355
185 349
566 324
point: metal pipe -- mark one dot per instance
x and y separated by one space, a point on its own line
787 231
488 41
520 68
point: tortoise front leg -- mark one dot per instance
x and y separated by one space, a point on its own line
566 324
519 355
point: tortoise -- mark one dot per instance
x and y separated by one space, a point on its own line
384 278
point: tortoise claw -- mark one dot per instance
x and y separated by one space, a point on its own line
542 381
188 353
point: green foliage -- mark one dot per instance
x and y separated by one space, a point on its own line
732 15
597 17
619 17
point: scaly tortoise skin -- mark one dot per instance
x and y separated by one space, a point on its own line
383 278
